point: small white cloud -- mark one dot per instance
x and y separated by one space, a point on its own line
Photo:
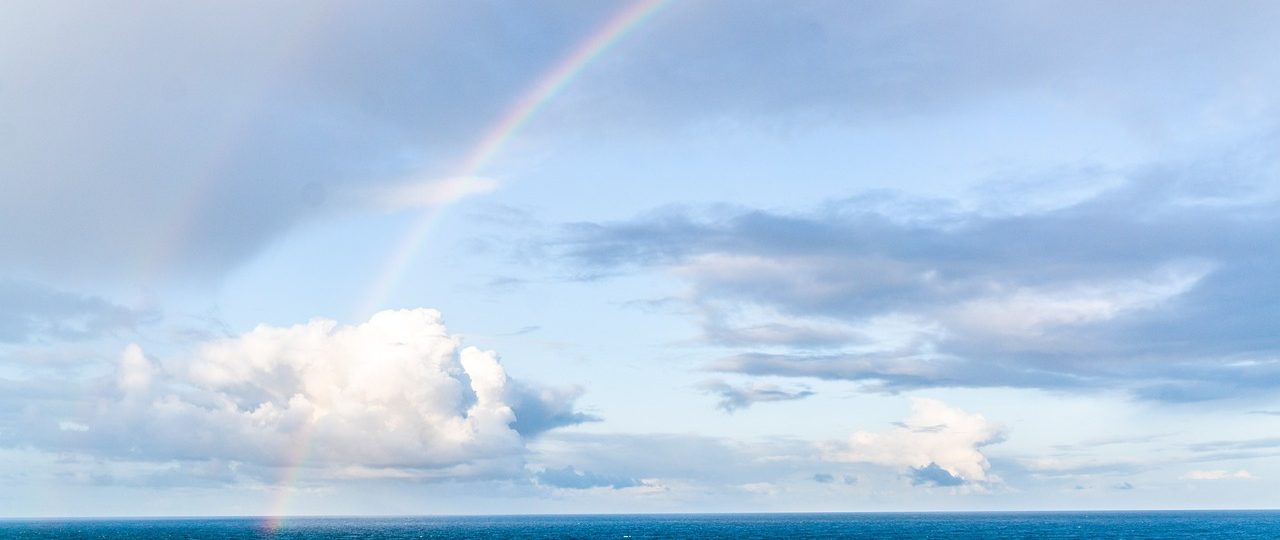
428 193
1076 465
938 443
1218 475
767 489
68 425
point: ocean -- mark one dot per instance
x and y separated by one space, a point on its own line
1135 525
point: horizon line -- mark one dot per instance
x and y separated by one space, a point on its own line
673 513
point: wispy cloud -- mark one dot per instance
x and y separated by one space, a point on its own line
733 398
571 478
1218 474
424 194
31 311
972 299
1243 444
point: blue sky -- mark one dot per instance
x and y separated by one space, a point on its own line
822 256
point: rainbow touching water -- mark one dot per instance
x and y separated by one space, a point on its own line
546 87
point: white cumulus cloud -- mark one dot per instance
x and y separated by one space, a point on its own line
939 444
397 393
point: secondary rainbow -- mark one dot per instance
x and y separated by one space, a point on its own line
496 137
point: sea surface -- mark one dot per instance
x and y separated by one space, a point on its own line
1144 525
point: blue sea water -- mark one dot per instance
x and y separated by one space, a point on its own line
1136 525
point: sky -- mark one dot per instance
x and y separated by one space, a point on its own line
307 258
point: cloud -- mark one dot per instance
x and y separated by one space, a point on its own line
426 194
1028 313
894 372
733 398
286 111
1218 475
72 426
1072 465
395 395
539 409
939 444
224 131
31 311
680 458
570 478
1247 444
933 475
1093 459
1167 303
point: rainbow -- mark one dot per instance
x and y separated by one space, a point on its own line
274 519
546 87
225 138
